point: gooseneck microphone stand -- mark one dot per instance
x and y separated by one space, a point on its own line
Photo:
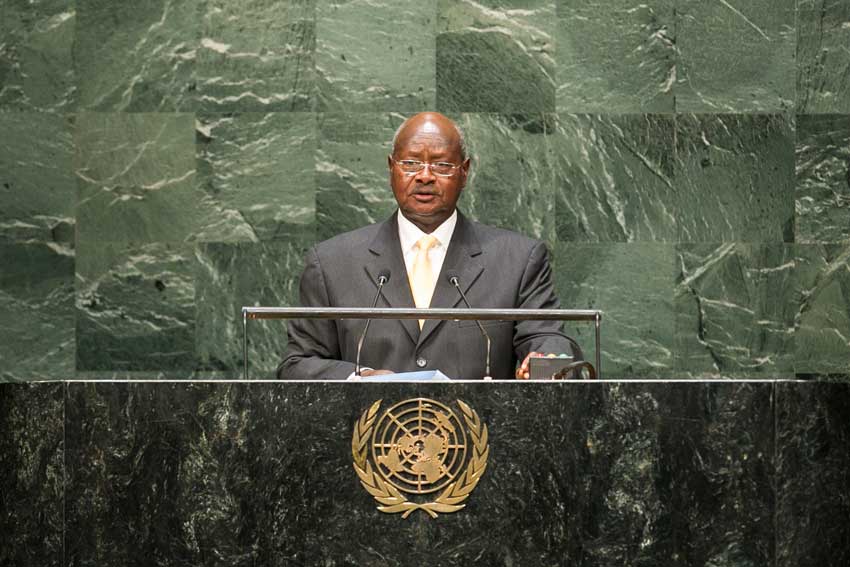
455 281
383 277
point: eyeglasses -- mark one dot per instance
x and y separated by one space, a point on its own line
412 167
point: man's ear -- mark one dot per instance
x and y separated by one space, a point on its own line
464 168
390 162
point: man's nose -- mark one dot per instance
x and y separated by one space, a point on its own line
425 175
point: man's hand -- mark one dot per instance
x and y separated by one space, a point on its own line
522 372
378 372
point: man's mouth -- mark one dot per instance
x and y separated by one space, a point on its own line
424 197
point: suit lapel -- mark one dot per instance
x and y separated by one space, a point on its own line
386 254
463 257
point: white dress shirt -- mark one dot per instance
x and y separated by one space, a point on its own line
409 234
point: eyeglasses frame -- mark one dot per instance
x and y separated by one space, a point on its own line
425 164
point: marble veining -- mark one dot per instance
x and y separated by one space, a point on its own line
735 56
480 44
375 56
37 72
616 56
578 474
823 178
812 473
32 474
823 56
148 151
736 307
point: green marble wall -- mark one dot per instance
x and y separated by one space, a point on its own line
163 163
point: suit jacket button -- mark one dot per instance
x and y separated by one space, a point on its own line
421 362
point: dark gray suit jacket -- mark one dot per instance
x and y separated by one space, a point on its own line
497 269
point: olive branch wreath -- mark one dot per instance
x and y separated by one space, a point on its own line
450 500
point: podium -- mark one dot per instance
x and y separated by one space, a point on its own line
577 473
367 314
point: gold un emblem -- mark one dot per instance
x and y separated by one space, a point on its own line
419 447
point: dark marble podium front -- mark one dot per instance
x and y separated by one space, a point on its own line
580 473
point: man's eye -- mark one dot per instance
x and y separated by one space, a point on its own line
410 162
444 164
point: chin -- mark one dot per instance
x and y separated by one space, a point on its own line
425 215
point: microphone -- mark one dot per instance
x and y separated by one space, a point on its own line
383 277
452 277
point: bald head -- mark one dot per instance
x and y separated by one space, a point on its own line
428 169
429 123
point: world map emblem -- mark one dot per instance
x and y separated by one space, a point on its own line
420 454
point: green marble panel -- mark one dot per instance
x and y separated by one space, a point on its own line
823 56
351 171
735 55
823 178
138 183
615 178
137 56
823 319
233 275
135 307
616 56
632 283
375 56
735 307
36 69
168 375
496 56
257 55
734 177
260 169
37 186
36 311
511 182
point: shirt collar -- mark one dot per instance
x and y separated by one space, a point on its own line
409 234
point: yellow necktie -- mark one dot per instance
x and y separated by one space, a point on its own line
422 279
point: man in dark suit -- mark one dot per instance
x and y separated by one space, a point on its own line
417 246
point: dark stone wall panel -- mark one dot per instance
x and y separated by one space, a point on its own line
813 473
32 482
592 474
